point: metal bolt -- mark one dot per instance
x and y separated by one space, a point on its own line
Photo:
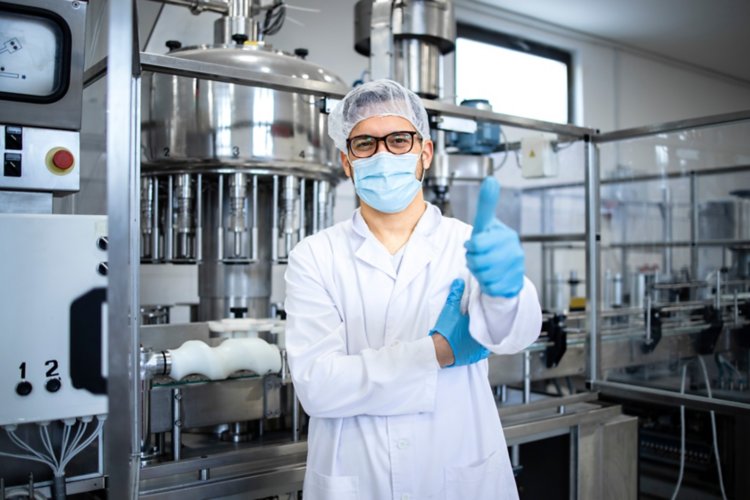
102 268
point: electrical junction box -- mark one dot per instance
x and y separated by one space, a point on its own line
52 317
538 159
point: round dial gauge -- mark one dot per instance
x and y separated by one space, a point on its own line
31 55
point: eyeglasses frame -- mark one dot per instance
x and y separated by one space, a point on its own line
382 139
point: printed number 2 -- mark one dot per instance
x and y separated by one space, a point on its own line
52 364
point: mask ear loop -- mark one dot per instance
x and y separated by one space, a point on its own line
424 170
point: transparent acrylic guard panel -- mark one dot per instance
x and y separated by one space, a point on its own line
675 225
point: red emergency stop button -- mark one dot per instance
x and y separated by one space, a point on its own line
63 159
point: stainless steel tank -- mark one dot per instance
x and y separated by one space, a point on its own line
233 176
423 30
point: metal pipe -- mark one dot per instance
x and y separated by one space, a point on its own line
237 210
736 309
381 39
617 290
526 377
123 171
147 216
184 216
135 274
254 230
176 424
717 298
301 210
220 215
155 244
240 8
693 227
275 221
675 126
324 196
593 307
648 319
199 218
145 445
295 416
290 199
219 72
198 6
169 248
667 230
315 206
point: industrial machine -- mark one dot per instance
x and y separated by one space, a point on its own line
232 177
53 267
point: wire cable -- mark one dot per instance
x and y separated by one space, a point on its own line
495 168
713 428
682 436
47 442
68 449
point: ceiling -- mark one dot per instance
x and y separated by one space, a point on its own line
712 34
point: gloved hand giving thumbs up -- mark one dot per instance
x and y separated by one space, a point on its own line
454 326
493 253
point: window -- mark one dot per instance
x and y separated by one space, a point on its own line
518 77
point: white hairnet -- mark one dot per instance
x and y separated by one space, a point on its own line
376 98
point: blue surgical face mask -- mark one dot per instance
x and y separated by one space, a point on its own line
387 182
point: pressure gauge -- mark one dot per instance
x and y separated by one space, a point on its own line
34 55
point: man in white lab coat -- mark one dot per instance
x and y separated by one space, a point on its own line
391 315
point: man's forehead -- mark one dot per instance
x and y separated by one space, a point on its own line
379 125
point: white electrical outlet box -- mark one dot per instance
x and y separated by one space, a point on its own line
52 290
538 159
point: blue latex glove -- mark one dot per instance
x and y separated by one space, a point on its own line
454 326
493 253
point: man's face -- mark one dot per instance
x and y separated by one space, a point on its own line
379 126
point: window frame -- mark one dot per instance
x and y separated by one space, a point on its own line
511 42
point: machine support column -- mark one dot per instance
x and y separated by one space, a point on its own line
593 237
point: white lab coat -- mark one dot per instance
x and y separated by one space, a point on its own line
385 421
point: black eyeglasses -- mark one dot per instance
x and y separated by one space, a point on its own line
398 143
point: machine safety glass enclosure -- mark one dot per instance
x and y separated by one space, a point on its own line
675 264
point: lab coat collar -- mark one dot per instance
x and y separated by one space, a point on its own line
418 253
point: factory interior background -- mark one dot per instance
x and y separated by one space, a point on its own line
628 181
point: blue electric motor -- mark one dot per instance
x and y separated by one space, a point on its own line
485 140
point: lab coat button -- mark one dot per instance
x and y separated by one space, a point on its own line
402 444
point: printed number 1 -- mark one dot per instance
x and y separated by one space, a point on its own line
22 367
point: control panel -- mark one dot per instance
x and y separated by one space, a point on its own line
53 270
37 159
